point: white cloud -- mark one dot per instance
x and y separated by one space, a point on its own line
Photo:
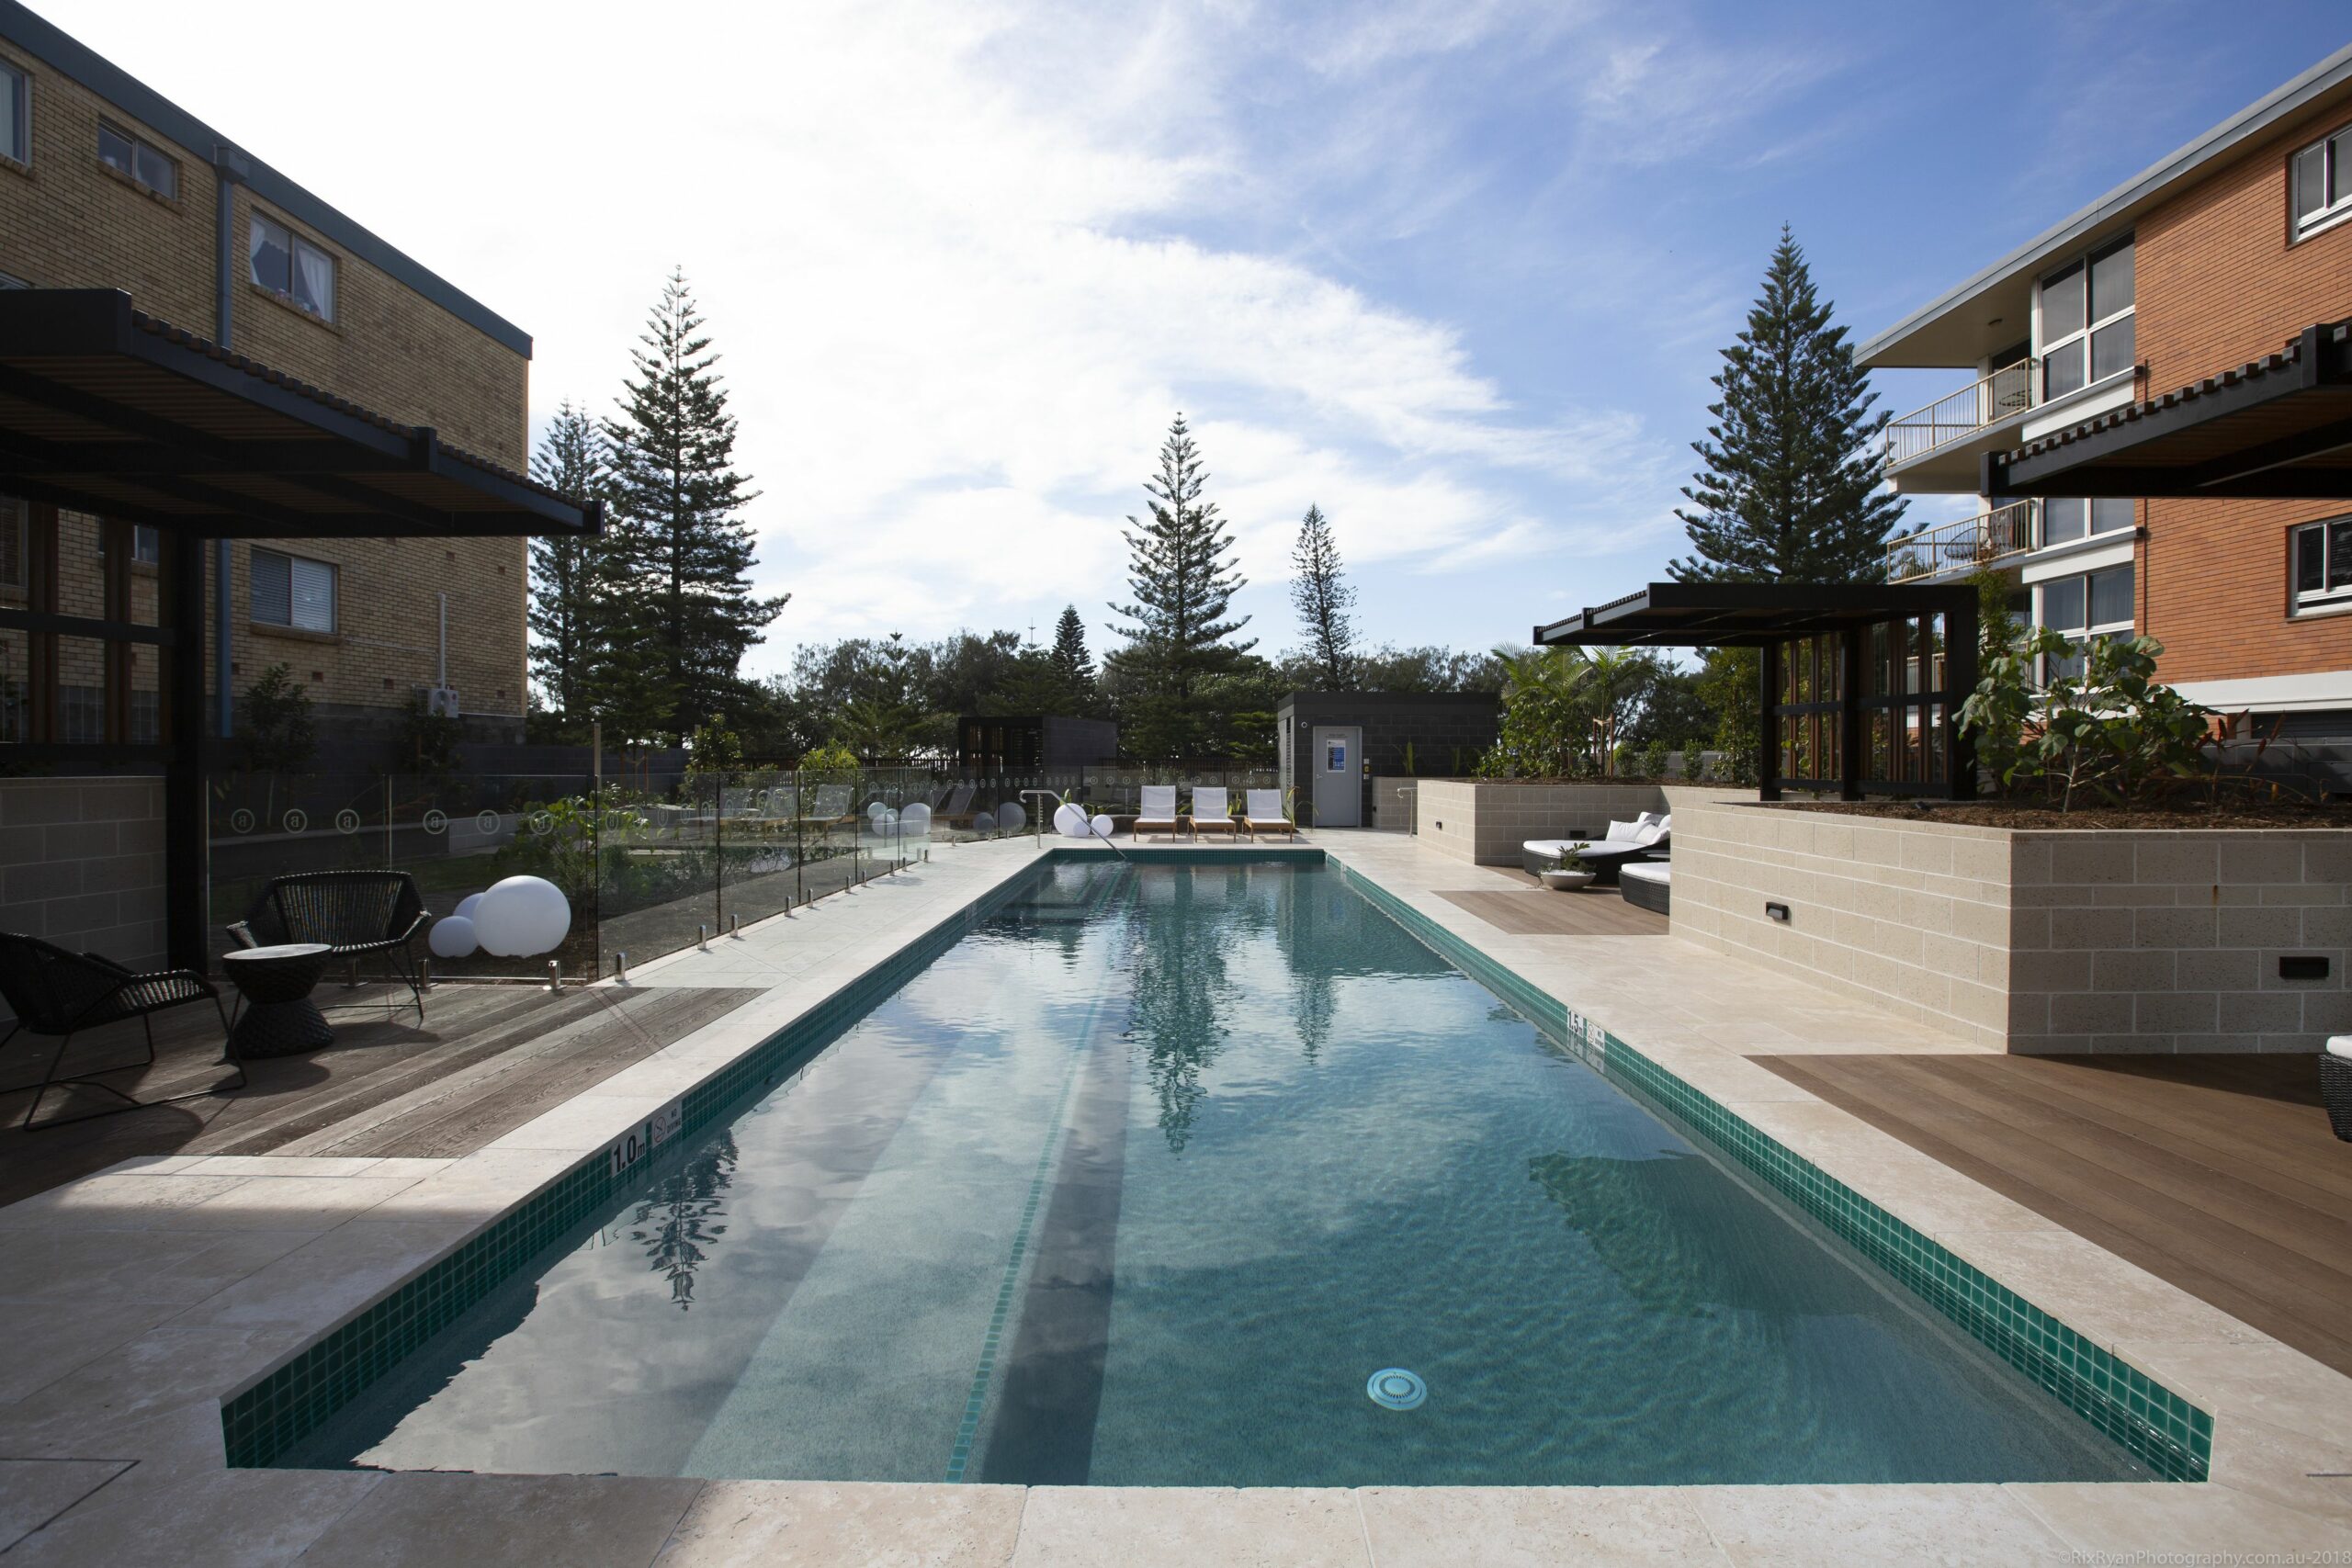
958 260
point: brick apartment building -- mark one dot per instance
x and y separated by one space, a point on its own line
105 185
2099 337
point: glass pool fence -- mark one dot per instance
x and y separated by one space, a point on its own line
650 864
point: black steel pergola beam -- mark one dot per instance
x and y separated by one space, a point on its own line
2097 458
85 625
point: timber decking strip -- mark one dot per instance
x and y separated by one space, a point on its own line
2217 1174
487 1059
1546 913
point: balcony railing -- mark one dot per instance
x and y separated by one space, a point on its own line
1967 544
2005 391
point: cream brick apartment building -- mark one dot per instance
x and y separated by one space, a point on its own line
2213 263
105 185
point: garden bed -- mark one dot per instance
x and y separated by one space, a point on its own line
2031 815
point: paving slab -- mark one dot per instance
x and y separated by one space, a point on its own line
818 1524
574 1521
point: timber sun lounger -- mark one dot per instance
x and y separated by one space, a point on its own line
1158 813
1263 814
1213 811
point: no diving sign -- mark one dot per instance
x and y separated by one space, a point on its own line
640 1141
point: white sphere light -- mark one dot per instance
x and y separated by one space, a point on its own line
1069 821
452 936
915 821
1010 818
983 823
1103 827
522 917
467 904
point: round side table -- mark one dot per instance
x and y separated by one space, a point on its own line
275 982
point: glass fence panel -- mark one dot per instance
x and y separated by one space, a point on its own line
759 844
657 867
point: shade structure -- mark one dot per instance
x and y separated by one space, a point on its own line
107 410
2278 427
1860 683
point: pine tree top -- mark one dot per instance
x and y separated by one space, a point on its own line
1792 484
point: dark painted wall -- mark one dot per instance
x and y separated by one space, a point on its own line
1448 733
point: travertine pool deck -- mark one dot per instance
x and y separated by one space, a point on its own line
135 1299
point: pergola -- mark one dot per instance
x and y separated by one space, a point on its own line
108 410
2279 426
1861 682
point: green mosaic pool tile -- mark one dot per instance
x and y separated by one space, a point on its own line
293 1401
2172 1436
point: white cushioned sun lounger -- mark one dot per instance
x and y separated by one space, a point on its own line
1158 813
1212 810
1262 813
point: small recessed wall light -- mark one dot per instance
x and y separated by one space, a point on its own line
2295 966
1777 912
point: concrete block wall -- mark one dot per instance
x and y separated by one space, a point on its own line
2040 942
82 866
1485 821
2171 942
1392 804
1915 920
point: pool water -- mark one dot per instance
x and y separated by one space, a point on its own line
1206 1175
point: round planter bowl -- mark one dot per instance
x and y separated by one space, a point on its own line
1568 881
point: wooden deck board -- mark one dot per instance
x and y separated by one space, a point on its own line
487 1059
1546 913
2216 1173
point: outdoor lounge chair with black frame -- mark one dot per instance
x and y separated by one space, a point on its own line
357 913
53 992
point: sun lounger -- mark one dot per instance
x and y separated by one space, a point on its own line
1213 811
1158 813
1263 813
957 812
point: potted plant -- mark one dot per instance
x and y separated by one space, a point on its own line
1571 871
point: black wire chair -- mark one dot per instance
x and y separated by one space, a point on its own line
356 913
53 992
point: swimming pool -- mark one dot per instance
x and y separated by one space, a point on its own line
1205 1174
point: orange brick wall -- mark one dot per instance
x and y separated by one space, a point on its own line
2220 283
67 221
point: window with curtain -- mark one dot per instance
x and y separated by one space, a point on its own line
291 267
2086 319
146 543
292 591
2067 518
146 164
15 114
2320 179
2096 604
2323 563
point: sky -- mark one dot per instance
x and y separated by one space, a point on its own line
1456 272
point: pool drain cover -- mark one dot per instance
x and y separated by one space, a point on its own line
1396 1389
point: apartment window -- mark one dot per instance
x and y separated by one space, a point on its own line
146 543
12 542
15 114
291 267
126 155
9 281
2086 321
2323 563
2067 518
81 714
2321 177
2096 604
290 590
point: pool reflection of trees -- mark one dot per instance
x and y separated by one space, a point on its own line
677 1222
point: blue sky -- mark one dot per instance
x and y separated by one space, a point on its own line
1458 272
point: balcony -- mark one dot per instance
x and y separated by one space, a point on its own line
1954 549
1936 448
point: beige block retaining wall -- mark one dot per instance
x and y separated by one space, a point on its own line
82 866
1485 821
2033 940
